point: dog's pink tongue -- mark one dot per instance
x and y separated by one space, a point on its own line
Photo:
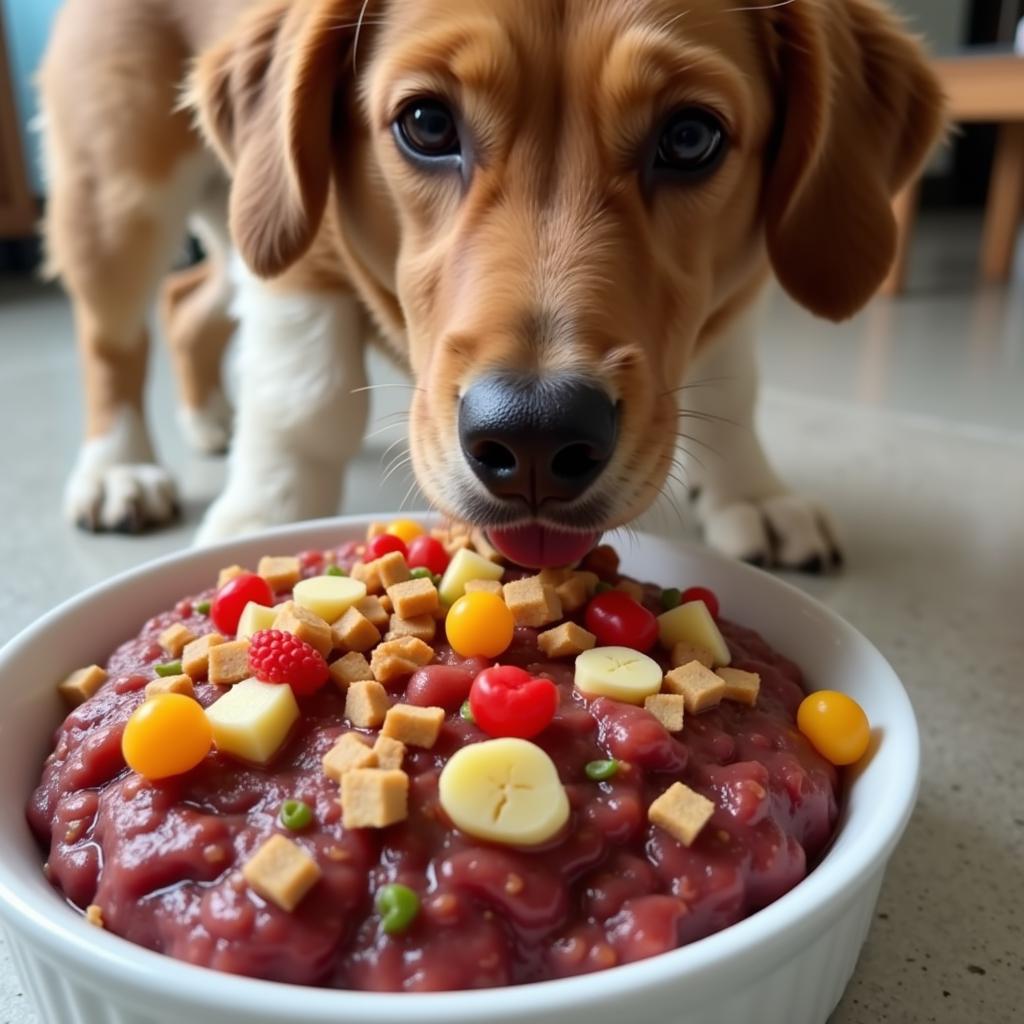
541 547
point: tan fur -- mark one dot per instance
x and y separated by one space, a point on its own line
554 257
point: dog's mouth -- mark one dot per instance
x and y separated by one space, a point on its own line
538 546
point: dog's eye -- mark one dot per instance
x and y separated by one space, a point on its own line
427 129
692 142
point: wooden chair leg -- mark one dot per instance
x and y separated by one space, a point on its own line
1005 204
904 209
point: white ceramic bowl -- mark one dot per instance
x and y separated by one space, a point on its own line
787 964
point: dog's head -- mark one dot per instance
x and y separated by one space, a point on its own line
555 204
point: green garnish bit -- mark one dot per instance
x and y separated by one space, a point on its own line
398 906
203 607
296 815
436 579
421 573
168 668
602 587
601 771
671 598
335 570
466 713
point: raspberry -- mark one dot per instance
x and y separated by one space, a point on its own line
279 657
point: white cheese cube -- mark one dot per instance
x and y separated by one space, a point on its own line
692 623
254 618
465 565
328 596
253 719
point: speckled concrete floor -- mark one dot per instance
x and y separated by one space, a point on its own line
908 421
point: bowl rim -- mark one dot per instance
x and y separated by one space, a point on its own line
835 881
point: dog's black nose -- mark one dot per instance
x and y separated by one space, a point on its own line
537 438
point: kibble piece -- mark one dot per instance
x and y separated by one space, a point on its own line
478 539
566 640
554 577
668 709
355 632
573 594
94 915
487 586
374 797
227 574
229 663
531 602
306 625
282 872
171 684
368 575
392 569
82 684
390 752
414 726
366 704
282 573
683 653
195 659
376 529
632 588
423 627
351 751
386 605
350 668
174 638
681 812
740 686
371 607
413 598
399 657
699 687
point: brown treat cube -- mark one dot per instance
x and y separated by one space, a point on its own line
355 632
171 684
604 561
531 602
390 753
668 709
350 668
573 594
683 653
281 872
174 638
368 574
484 586
484 548
82 684
376 529
554 577
366 704
413 598
392 569
227 574
589 579
699 687
386 605
681 812
399 657
94 915
422 626
195 659
740 686
229 663
306 625
374 797
351 751
414 726
371 607
282 573
632 588
566 640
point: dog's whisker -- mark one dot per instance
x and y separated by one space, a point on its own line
379 387
394 444
703 382
359 30
401 463
683 436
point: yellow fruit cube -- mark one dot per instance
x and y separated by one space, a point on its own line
328 596
466 565
692 623
253 719
254 618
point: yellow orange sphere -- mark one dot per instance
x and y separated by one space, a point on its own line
479 625
405 530
167 735
836 726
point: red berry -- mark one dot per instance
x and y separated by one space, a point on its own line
425 552
508 701
619 621
279 657
310 559
701 594
232 598
383 544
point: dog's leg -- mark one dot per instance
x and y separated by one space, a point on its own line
745 510
198 325
301 415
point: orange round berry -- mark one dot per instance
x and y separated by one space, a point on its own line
836 726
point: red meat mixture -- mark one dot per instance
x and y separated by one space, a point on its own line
163 860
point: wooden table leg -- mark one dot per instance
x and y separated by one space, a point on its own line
1005 204
904 209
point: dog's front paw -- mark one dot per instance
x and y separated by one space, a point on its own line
786 531
119 498
208 428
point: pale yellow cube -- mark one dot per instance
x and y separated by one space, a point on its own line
254 618
466 565
328 597
253 719
228 573
692 623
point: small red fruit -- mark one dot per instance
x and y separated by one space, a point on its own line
279 657
232 598
508 701
701 594
619 621
427 552
383 544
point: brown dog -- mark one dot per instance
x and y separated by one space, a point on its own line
556 212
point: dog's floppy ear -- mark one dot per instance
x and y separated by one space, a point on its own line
265 98
860 109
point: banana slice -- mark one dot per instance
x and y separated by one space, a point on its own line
618 672
692 623
328 596
506 791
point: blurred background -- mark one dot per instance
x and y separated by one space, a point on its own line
908 421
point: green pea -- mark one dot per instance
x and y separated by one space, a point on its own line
398 906
603 587
466 713
335 570
296 815
421 573
671 598
168 668
601 771
203 607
